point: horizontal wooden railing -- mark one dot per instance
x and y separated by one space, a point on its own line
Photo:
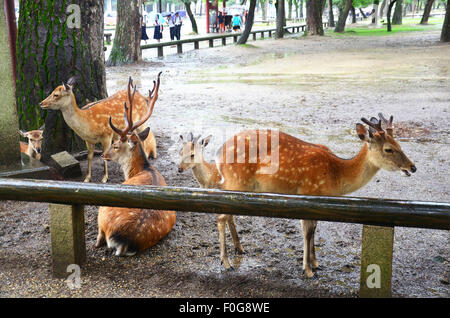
379 215
223 36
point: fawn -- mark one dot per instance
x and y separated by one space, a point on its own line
244 163
33 147
91 121
133 230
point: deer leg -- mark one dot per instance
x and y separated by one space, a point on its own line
100 239
237 244
314 262
90 148
307 234
105 145
221 226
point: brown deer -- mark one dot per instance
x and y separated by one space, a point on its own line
91 121
271 161
33 147
133 230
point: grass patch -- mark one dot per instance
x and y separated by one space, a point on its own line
409 25
251 46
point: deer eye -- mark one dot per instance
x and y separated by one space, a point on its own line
388 150
192 156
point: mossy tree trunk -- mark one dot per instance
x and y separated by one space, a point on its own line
281 19
126 47
314 25
330 14
58 39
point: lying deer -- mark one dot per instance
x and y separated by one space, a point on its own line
300 168
33 147
91 121
133 230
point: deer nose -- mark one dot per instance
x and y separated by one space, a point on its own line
38 150
180 170
413 169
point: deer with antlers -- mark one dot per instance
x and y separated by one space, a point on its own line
133 230
91 121
33 147
271 161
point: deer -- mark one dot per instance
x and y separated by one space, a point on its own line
126 230
91 121
33 147
299 168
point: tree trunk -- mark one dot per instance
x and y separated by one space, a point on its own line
362 13
383 5
330 13
280 19
314 25
301 9
289 9
187 5
397 17
375 12
389 26
263 9
55 42
340 25
426 12
353 14
248 25
445 34
126 47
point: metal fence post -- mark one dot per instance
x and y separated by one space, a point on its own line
376 261
67 236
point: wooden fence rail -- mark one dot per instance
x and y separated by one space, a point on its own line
210 38
68 199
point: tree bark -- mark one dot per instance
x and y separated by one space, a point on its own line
187 5
52 47
340 26
330 13
445 34
280 19
383 5
314 25
389 26
126 47
263 9
289 9
426 12
248 25
398 13
301 9
353 14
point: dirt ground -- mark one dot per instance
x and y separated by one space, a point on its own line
314 88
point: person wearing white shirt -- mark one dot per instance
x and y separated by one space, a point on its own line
178 24
172 28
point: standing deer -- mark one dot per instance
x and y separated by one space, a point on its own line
299 168
91 121
33 147
133 230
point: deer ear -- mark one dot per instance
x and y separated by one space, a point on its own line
205 141
67 87
190 137
144 134
42 127
23 134
362 132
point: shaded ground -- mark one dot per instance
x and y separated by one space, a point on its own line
313 88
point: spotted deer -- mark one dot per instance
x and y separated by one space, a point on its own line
33 147
91 121
133 230
284 164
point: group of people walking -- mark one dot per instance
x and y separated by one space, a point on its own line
227 22
173 22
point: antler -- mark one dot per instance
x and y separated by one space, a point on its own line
389 128
129 118
152 97
373 123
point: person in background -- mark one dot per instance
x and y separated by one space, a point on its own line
236 22
171 26
221 22
178 24
144 35
158 29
